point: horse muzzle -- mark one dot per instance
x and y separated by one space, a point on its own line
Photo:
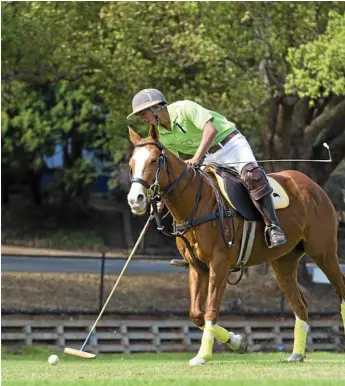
137 199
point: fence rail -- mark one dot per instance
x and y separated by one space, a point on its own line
157 335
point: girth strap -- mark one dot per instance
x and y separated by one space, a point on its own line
248 236
247 241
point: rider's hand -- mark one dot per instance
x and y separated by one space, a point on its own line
195 161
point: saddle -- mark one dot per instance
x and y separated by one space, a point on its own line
236 194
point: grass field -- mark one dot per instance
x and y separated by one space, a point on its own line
31 368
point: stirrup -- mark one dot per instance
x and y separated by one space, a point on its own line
180 263
281 237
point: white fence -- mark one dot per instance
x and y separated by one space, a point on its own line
161 335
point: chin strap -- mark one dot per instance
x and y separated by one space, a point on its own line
154 110
155 115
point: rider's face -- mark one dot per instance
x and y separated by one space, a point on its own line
147 116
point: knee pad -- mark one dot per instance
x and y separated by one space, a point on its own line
256 181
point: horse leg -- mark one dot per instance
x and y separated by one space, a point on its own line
285 269
321 244
216 285
329 264
198 284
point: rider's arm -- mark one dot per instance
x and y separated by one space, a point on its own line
209 133
203 120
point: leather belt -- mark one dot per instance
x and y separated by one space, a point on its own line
215 148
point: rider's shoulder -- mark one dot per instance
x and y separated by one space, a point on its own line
184 105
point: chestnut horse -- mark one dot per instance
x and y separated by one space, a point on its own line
309 222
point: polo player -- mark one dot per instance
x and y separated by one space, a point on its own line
208 137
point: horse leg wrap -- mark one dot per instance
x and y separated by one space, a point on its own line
300 337
224 336
343 312
220 333
206 348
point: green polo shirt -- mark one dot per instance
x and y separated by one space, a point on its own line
187 121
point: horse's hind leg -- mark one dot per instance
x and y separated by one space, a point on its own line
321 244
285 269
328 263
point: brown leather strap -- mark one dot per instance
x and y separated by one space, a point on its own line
215 148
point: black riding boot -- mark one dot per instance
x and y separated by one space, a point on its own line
273 233
181 263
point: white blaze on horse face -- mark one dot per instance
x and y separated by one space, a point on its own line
138 191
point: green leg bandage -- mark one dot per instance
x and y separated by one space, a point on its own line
224 336
300 341
206 348
343 313
221 334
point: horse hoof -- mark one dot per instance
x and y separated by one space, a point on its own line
242 348
295 358
196 361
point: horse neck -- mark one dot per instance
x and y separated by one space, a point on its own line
181 199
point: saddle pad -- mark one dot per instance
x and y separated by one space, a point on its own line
280 197
238 197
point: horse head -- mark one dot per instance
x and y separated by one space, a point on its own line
147 166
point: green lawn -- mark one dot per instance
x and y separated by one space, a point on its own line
31 368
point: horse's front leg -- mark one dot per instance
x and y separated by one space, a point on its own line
219 270
198 285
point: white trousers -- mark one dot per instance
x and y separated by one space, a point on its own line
236 153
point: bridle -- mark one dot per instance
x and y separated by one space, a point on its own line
153 191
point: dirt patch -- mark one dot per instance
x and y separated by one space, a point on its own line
147 293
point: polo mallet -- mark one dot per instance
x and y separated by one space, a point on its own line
304 160
81 353
290 159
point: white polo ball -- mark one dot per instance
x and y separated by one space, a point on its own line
53 360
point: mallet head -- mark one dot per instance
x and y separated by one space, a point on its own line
79 353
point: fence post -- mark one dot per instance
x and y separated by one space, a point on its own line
101 282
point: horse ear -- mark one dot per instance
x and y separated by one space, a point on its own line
133 136
154 133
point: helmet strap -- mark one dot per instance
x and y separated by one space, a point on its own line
155 115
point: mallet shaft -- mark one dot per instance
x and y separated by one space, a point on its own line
118 279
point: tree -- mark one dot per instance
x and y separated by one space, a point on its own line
37 118
240 59
257 63
318 76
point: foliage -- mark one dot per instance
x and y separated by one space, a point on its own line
25 125
36 118
48 41
71 68
318 67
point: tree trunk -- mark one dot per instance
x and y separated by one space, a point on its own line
4 190
34 181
